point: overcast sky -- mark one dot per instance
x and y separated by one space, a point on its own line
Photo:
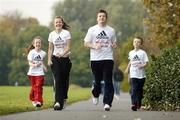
40 9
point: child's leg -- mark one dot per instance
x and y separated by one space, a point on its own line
32 82
140 91
39 88
134 93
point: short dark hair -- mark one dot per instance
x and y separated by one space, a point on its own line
103 11
140 38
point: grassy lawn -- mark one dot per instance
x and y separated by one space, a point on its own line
16 99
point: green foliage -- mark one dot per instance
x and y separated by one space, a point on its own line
5 56
80 72
162 87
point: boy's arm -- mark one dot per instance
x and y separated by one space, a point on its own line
127 68
50 50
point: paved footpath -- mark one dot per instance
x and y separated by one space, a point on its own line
85 110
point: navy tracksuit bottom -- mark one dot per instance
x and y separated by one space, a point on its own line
102 70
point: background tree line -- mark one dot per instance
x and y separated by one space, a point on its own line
16 33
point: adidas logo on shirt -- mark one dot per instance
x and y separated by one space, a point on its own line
136 57
102 35
37 58
58 39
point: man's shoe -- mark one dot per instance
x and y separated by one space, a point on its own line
57 106
107 107
117 96
95 100
134 107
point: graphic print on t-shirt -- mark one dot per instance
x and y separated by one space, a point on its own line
103 39
37 58
59 43
136 58
135 61
102 35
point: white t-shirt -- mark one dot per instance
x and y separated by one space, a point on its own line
137 57
59 40
103 35
36 57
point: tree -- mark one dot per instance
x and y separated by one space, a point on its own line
11 24
163 23
5 55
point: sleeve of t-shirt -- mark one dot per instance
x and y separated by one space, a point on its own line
68 36
145 57
50 38
44 55
129 56
29 57
88 36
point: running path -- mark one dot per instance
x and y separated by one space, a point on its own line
85 110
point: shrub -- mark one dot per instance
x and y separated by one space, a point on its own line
162 87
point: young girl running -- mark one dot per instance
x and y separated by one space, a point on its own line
36 71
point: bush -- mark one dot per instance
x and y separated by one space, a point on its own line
162 87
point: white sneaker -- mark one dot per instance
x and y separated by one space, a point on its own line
106 107
34 103
38 104
116 96
95 100
56 104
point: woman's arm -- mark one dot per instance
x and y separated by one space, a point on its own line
50 51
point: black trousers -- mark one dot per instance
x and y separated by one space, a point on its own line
137 91
102 70
61 70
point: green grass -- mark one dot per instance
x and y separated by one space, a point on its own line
16 99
